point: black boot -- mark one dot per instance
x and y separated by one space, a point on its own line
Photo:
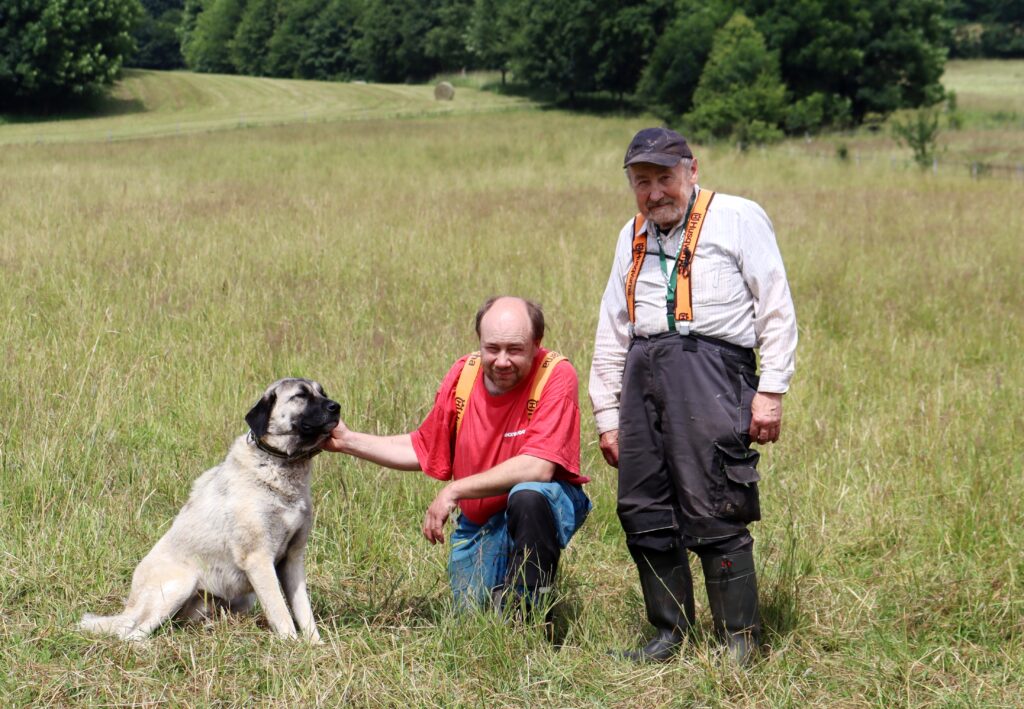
731 582
530 578
668 597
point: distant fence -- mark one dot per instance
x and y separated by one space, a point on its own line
977 169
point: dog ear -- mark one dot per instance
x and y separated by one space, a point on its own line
258 417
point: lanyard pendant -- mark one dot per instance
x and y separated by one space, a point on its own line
682 327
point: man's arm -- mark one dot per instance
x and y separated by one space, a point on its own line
774 322
390 451
496 481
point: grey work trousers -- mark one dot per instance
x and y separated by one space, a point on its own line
686 470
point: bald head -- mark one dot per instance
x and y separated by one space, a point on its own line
510 331
512 305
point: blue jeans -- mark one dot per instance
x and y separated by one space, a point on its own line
479 557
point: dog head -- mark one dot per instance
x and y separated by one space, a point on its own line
293 417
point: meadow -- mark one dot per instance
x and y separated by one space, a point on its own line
150 288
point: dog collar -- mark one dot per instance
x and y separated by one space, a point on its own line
270 450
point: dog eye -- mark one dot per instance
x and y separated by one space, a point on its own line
300 395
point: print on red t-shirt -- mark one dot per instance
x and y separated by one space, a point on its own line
496 428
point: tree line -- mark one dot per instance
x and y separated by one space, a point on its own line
759 67
747 69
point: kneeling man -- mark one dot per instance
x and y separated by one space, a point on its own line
505 433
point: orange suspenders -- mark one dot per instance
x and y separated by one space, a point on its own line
684 263
471 370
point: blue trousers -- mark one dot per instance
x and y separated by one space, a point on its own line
480 553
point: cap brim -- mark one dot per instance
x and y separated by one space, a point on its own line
663 159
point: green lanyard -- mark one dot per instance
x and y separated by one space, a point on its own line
670 293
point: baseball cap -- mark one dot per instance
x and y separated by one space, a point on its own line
660 146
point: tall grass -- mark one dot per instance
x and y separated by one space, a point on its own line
151 289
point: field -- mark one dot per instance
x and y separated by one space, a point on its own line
150 289
149 104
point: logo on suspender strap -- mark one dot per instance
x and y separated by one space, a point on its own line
639 251
684 262
471 370
467 378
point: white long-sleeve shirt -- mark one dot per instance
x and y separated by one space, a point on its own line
740 295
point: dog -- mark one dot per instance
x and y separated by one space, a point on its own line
241 536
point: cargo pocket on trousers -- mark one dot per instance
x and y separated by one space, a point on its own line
739 500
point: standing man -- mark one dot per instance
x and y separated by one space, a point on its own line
696 284
505 433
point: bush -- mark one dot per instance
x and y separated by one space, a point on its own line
57 52
919 131
740 94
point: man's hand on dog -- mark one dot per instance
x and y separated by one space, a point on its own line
336 443
438 513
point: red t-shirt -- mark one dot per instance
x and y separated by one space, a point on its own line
496 428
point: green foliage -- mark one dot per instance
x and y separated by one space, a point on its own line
158 45
987 28
584 45
919 131
839 59
329 53
187 29
904 55
671 76
821 50
209 45
249 48
490 34
292 38
447 41
552 48
627 32
392 45
56 52
740 95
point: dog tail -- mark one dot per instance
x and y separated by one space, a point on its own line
120 625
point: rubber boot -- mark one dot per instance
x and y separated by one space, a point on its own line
731 582
668 598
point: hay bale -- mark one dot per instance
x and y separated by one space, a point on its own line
444 92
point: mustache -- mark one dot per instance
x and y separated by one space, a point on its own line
661 203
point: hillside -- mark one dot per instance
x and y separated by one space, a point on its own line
152 103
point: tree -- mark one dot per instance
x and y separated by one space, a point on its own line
56 52
740 94
447 41
861 56
840 59
292 38
392 42
329 54
627 32
156 36
190 11
987 28
492 27
553 47
209 45
904 57
249 47
673 71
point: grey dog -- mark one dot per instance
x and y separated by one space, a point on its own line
244 529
